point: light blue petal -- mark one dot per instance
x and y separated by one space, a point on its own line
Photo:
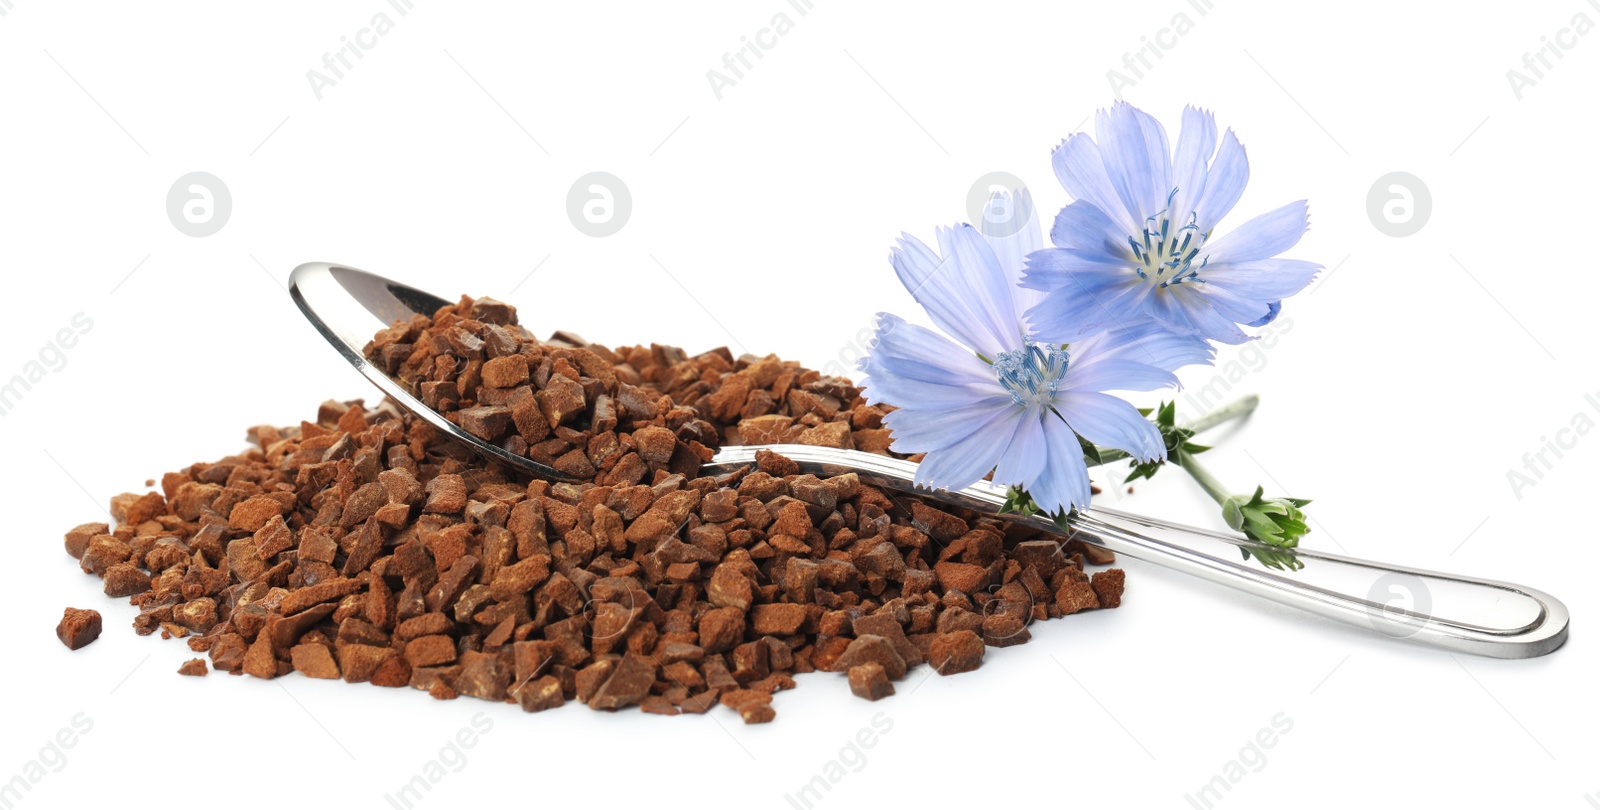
1146 342
1064 483
937 283
1185 311
926 275
1116 375
1197 141
914 263
1111 422
1263 280
1010 224
919 353
971 457
1262 237
1225 182
882 386
986 291
923 428
1083 174
1272 314
1236 308
1082 226
908 364
1052 268
1084 301
1134 147
1024 458
962 288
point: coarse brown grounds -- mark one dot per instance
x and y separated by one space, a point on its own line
366 546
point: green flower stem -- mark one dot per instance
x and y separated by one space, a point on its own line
1238 409
1272 521
1203 477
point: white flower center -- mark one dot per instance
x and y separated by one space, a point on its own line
1030 374
1166 251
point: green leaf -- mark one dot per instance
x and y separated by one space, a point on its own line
1144 469
1090 452
1276 559
1018 502
1174 438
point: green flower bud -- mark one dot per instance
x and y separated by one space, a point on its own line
1273 521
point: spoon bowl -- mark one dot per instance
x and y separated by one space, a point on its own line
347 306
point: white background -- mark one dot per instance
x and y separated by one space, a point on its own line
1416 374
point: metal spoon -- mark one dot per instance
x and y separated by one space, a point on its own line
1458 613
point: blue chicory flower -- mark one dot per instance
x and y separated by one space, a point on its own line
997 398
1136 245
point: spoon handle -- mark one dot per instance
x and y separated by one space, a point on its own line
1462 614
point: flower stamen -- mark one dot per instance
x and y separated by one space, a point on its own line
1030 374
1167 253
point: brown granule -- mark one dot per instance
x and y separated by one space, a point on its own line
78 627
